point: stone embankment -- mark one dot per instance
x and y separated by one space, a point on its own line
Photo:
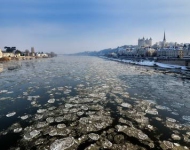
171 61
180 62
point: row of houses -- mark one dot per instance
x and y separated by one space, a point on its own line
161 49
179 52
17 53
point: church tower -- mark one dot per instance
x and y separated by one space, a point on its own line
164 41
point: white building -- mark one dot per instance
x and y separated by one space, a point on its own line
41 55
146 51
5 54
1 54
145 42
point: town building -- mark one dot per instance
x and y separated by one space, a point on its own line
1 54
8 54
173 49
146 52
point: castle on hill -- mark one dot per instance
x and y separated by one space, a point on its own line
144 42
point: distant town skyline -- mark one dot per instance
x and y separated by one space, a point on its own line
68 26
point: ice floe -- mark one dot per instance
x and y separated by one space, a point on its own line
31 134
187 118
17 130
24 117
62 144
93 136
51 101
126 105
11 114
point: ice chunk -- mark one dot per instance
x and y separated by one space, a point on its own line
73 110
41 124
41 111
126 105
60 126
31 135
11 114
53 132
84 120
51 101
99 125
163 107
17 130
83 107
38 117
188 133
142 136
62 144
25 93
3 91
107 144
80 113
152 111
50 119
24 117
58 119
93 136
33 103
68 105
60 88
175 113
121 128
171 120
52 108
176 137
150 127
186 118
168 144
29 98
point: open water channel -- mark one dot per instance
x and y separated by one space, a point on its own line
90 103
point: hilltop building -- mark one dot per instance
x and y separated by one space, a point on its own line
32 51
144 42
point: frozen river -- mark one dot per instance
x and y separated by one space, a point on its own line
75 102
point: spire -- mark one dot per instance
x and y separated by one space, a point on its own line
164 36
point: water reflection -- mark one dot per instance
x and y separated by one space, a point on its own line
90 103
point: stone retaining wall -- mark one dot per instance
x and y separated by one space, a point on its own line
175 62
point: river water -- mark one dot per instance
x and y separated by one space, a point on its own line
78 102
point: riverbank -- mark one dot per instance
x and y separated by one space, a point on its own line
150 63
13 63
5 59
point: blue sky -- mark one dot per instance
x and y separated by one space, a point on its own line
69 26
